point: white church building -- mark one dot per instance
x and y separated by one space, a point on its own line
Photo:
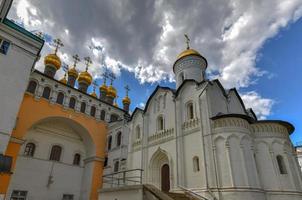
200 139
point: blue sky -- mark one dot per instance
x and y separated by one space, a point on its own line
253 45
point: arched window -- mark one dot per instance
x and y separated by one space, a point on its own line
46 93
55 153
138 132
116 166
60 98
72 102
31 88
196 164
30 149
281 164
109 142
83 107
113 118
119 139
92 111
160 123
190 111
103 114
76 159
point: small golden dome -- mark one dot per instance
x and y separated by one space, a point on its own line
73 72
188 52
111 92
104 88
53 60
94 94
63 80
85 77
126 100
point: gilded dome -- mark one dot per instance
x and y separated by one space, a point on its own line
126 100
94 94
53 60
85 77
111 92
188 52
63 80
73 72
103 88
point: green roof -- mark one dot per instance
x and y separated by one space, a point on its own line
14 26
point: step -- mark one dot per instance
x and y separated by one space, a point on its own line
178 196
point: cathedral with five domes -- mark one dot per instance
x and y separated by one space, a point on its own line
194 141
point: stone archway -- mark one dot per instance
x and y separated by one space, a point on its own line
160 170
33 111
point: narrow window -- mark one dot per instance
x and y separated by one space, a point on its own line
106 162
281 164
181 77
18 195
109 142
72 102
103 114
46 93
92 111
190 111
196 164
119 139
31 88
5 163
83 107
55 154
116 166
60 98
30 149
4 45
67 197
160 123
138 132
76 159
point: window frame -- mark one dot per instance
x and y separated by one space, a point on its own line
46 95
83 107
72 106
76 159
119 139
18 196
53 156
92 111
281 164
30 152
29 89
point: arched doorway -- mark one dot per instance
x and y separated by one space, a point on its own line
165 178
159 170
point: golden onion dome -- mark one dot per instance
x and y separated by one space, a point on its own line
53 60
63 80
73 72
188 52
94 94
85 77
111 92
103 88
126 100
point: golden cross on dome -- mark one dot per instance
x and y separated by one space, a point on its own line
127 89
187 41
57 43
87 62
94 83
111 77
76 59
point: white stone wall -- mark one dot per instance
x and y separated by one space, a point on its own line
15 71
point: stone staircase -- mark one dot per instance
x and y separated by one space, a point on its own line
178 196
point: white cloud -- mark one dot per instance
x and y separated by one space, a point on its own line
261 106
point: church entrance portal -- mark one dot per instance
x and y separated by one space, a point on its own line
165 178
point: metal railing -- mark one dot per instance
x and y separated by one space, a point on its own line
123 178
192 193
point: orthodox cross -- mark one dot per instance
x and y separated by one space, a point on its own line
112 77
65 69
127 89
76 59
105 76
57 43
187 41
87 62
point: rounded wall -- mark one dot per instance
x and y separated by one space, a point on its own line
190 67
